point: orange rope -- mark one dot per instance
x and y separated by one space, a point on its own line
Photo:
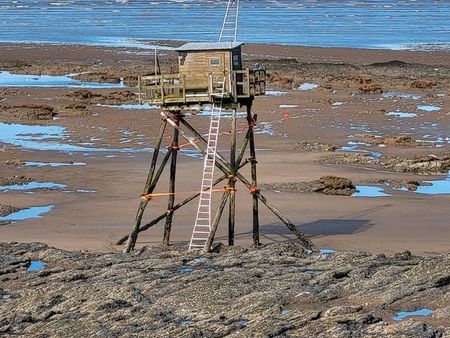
150 196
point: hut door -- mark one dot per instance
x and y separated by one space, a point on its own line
236 62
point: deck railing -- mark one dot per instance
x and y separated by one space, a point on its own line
171 88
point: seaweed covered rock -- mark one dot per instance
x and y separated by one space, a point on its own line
273 291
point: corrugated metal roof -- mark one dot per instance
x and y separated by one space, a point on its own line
208 46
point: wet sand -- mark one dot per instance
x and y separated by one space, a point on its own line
95 220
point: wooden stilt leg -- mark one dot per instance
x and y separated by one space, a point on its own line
143 203
232 182
216 221
253 161
173 170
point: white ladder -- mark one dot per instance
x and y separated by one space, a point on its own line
229 29
202 225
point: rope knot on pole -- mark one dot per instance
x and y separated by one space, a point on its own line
230 189
254 189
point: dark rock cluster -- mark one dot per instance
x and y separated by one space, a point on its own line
328 185
14 180
27 112
273 291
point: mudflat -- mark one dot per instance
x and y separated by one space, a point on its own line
80 147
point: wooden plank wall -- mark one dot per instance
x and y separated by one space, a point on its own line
196 67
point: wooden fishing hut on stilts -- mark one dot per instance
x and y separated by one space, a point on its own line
210 76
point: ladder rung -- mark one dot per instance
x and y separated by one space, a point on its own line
201 232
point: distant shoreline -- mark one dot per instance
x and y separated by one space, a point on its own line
305 54
168 44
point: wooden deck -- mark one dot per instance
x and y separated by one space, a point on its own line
172 90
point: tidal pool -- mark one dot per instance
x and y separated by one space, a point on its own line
32 186
369 191
424 312
224 113
437 187
308 86
53 164
8 79
428 108
392 94
401 114
29 213
36 266
275 93
185 270
288 105
129 106
327 251
40 137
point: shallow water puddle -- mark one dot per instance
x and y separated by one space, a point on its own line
401 114
32 186
424 312
185 270
53 164
275 93
129 106
226 114
36 265
29 213
39 137
437 187
8 79
338 103
369 191
288 106
428 108
393 94
308 86
352 147
267 128
327 251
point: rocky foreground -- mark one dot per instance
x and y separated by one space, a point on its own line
274 291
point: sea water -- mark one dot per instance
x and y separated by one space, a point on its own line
402 24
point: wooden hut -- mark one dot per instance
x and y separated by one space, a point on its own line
205 71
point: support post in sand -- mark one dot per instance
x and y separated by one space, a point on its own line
254 190
216 221
232 182
147 190
173 170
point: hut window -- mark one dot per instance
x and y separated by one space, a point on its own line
214 61
236 60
